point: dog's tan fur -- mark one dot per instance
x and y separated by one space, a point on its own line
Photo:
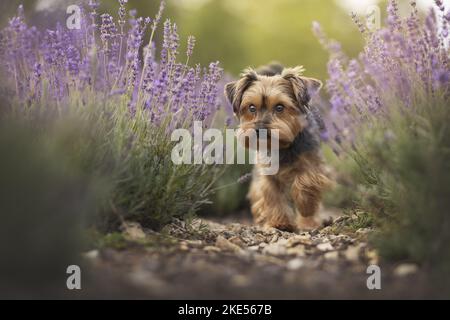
290 199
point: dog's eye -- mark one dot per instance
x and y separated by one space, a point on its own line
279 108
252 109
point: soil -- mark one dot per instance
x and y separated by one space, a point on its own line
224 259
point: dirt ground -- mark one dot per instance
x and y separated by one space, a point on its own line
224 259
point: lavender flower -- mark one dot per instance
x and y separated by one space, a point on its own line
407 58
393 16
73 60
190 46
158 16
105 60
108 28
122 12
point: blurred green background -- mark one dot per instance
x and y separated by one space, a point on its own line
242 33
239 33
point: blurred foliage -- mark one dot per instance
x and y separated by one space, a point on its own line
240 33
406 174
343 193
44 203
246 33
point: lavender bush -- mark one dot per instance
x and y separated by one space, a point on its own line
132 94
401 63
390 114
104 58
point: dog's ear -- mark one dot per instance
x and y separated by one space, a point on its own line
312 85
235 90
304 88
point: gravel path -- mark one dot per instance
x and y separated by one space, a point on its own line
221 260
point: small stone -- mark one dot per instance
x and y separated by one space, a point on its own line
148 279
298 251
326 246
352 253
269 259
194 243
270 231
331 255
405 269
225 244
299 239
275 249
295 264
132 231
259 238
363 231
240 280
184 246
274 239
326 230
212 249
92 255
234 227
372 256
253 248
237 241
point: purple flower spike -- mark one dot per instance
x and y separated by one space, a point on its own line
108 58
408 56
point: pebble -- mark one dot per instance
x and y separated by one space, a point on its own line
363 231
237 241
212 249
224 244
326 246
300 239
240 280
352 253
405 269
93 254
275 249
372 256
331 255
295 264
297 251
194 243
133 231
259 238
274 239
184 246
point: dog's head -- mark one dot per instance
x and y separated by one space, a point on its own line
275 101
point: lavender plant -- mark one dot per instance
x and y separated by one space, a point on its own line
103 58
132 93
390 114
405 61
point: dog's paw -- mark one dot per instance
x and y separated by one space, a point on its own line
281 227
307 223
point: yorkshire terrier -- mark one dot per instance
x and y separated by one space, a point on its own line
273 97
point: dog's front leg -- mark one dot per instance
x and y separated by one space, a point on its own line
306 193
269 205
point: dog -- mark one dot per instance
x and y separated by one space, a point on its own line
274 97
